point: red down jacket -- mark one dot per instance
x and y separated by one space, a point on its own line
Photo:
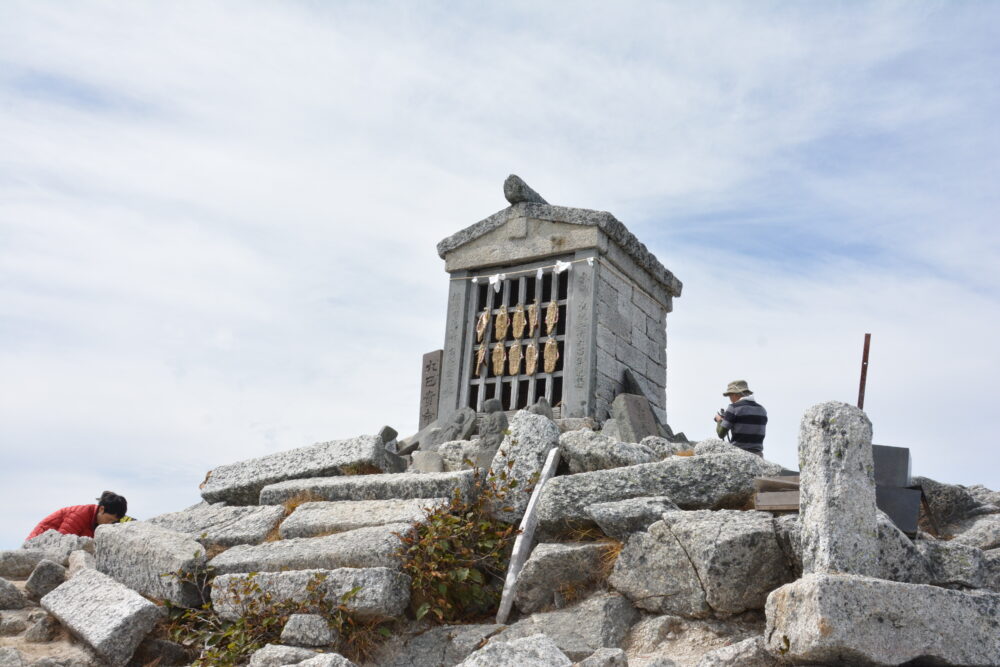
75 520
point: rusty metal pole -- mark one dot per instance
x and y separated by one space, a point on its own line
864 372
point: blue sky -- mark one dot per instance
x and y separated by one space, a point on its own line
218 220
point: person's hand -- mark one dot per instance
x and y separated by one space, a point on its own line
718 418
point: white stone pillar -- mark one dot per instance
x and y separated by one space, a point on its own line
837 491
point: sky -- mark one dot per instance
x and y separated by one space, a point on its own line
218 219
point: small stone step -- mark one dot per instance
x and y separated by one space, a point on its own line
221 525
381 592
370 487
240 483
376 546
325 518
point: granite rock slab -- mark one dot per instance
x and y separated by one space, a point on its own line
377 546
19 563
620 518
554 567
11 657
600 621
952 565
146 558
240 483
981 532
80 560
899 559
748 653
605 657
382 592
324 518
223 525
308 630
58 545
42 631
447 646
371 487
952 503
663 446
106 615
327 660
634 416
522 455
696 563
534 651
46 576
586 451
849 619
456 454
837 491
11 596
713 481
277 655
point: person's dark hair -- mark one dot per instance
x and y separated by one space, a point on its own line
113 503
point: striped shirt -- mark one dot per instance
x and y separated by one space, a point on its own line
746 420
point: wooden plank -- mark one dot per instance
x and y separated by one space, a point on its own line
524 542
784 483
777 500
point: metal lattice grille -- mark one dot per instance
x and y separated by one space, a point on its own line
520 390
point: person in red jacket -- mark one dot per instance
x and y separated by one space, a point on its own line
83 519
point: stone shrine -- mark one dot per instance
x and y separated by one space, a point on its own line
570 297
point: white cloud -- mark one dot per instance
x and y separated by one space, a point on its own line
218 223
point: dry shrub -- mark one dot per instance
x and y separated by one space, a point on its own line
609 556
685 452
292 503
457 557
360 469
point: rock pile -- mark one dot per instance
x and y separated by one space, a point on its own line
647 555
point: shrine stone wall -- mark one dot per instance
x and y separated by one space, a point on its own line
631 334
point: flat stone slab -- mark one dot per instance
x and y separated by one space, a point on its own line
376 546
223 525
621 518
534 651
324 518
712 481
552 568
240 483
694 563
110 617
20 563
848 619
445 645
382 592
370 487
146 557
600 621
55 542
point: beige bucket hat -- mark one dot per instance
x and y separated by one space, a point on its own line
736 387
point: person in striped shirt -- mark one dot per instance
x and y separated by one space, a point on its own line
744 419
